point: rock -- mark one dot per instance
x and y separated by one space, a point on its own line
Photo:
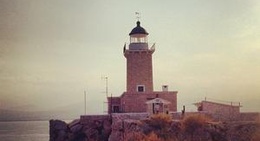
106 130
96 130
76 128
120 128
117 131
59 125
58 130
73 123
91 134
62 136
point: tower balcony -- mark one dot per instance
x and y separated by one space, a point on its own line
138 47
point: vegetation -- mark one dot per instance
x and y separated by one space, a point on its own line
256 136
193 124
160 121
137 136
161 127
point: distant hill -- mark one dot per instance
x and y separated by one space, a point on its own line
16 115
71 111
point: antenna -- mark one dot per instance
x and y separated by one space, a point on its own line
111 105
105 103
85 102
106 79
138 15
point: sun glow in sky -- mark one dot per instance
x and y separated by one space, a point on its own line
51 51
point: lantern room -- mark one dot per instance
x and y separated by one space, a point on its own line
138 38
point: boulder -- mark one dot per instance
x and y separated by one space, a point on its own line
59 125
76 128
73 123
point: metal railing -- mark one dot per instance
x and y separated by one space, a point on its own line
151 46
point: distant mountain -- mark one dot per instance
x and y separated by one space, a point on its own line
16 115
72 111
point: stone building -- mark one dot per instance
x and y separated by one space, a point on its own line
157 105
220 111
139 73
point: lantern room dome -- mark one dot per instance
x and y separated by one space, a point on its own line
138 29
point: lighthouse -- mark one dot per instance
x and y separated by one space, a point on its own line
140 96
139 61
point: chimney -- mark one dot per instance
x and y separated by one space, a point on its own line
165 88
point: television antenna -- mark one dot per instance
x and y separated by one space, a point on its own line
85 102
106 79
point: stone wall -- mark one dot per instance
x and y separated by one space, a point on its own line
249 116
180 115
134 116
220 111
85 119
253 116
123 122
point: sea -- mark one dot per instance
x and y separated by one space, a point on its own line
24 130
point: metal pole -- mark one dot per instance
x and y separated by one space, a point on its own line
106 86
111 104
85 102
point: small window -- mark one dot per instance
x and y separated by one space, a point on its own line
115 109
140 88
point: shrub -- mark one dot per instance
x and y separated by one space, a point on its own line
193 123
256 134
138 136
134 136
161 125
160 121
152 137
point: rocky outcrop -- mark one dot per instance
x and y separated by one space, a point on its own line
93 130
124 127
138 130
58 130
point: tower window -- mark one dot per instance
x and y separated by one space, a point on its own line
140 88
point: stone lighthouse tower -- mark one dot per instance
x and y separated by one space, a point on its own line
139 61
140 96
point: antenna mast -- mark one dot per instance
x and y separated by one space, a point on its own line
106 79
85 102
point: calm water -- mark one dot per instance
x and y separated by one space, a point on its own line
24 131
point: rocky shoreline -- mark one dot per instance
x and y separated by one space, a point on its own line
137 127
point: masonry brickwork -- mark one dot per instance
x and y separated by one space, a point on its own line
135 102
139 70
221 111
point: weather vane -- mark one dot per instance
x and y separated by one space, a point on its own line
138 15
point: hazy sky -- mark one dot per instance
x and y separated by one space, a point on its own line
51 51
